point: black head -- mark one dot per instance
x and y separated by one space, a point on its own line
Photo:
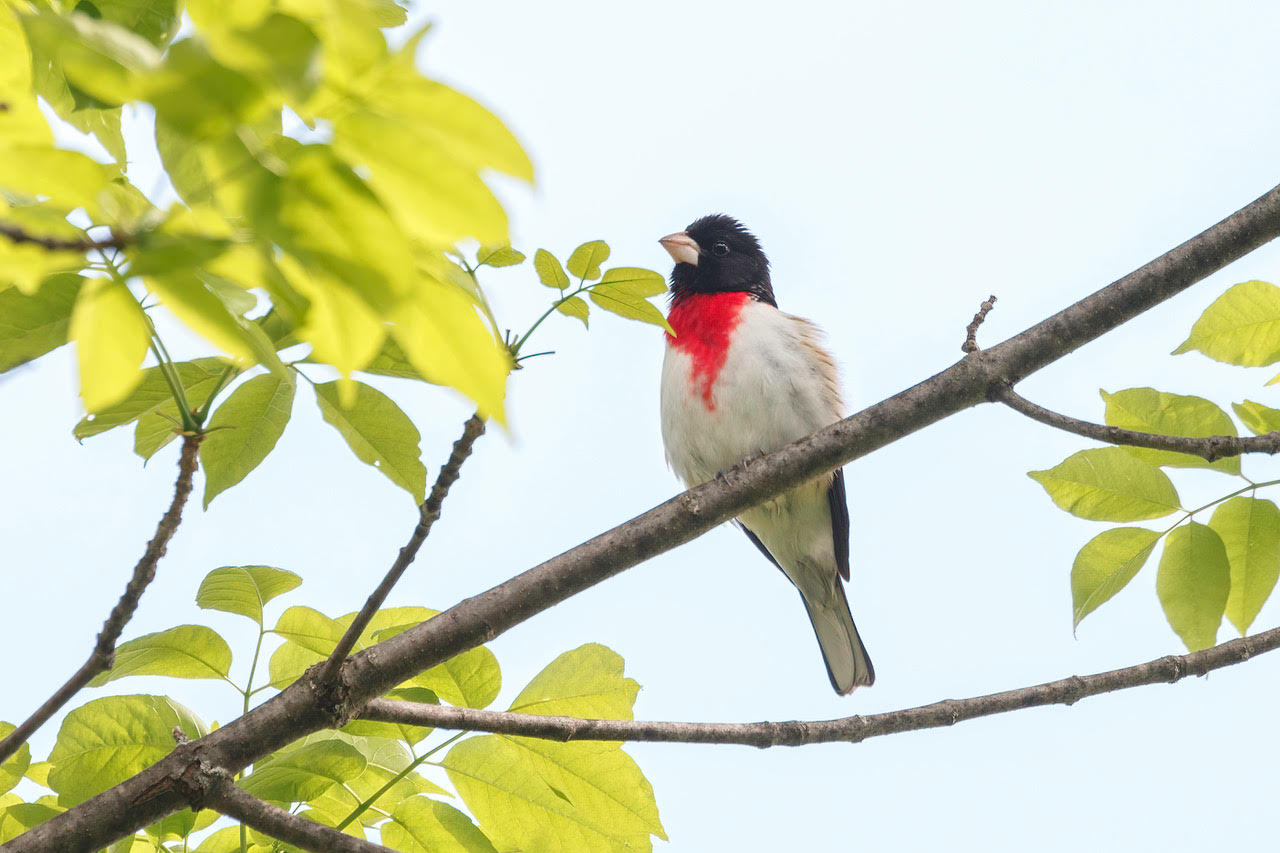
716 254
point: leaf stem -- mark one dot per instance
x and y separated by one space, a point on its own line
373 798
583 287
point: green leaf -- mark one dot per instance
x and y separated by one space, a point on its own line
1258 418
1250 532
310 629
343 330
391 361
179 825
549 270
498 256
299 774
112 335
379 434
424 825
586 259
1105 565
31 326
19 817
1193 584
155 20
469 680
635 281
1149 410
574 306
386 759
628 305
103 62
399 731
16 766
445 339
536 795
199 97
244 589
106 741
153 394
1242 326
279 52
1107 484
197 306
244 429
584 682
187 651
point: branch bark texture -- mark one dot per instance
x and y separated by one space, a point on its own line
295 712
1210 447
853 729
63 244
144 572
234 802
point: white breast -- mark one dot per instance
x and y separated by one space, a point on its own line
777 385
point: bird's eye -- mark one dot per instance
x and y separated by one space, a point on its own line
720 249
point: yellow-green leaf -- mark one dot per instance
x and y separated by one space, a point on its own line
574 306
1193 584
31 326
342 328
549 270
635 281
67 177
1250 532
16 765
586 259
111 335
584 682
187 651
1149 410
302 773
1258 418
1105 565
244 429
498 256
628 305
244 589
193 303
424 825
1242 326
1107 484
379 434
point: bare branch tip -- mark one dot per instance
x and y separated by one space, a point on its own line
970 344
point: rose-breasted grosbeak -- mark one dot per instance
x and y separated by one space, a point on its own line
741 378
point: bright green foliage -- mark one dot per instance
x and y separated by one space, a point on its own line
31 326
1242 326
1258 418
187 651
304 771
1105 565
17 817
387 774
108 740
536 794
549 270
396 731
1250 532
1108 484
424 825
1193 584
585 260
574 306
111 335
198 378
1149 410
624 291
244 589
16 767
244 429
498 256
379 434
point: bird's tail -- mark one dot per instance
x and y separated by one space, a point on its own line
848 665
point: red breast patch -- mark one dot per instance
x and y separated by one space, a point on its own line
703 323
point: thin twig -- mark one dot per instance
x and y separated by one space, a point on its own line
117 240
427 515
104 650
971 331
225 797
1210 447
296 712
846 729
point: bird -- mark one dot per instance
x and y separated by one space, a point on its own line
741 378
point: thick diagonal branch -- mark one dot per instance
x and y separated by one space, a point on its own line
104 649
295 712
854 729
63 244
235 802
427 515
1210 448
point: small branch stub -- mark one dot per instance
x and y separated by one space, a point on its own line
970 344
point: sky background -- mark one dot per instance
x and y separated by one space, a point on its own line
899 162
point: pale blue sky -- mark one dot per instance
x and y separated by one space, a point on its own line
899 163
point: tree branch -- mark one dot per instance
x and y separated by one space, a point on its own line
427 515
235 802
1210 448
104 649
971 331
853 729
117 240
295 712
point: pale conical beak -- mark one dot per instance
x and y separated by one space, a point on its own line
682 248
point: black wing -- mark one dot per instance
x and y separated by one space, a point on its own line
839 522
